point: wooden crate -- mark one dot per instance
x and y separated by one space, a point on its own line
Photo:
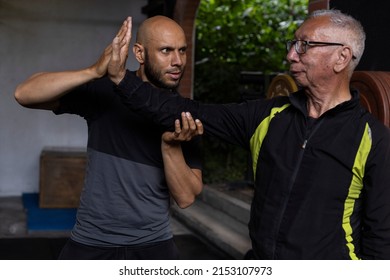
61 177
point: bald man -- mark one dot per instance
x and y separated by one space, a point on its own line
133 168
160 49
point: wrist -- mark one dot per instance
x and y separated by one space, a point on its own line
118 78
123 79
92 73
170 145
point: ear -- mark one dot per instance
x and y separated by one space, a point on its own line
139 53
344 59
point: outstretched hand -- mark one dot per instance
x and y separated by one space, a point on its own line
189 128
120 50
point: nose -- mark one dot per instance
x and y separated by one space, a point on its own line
292 55
178 58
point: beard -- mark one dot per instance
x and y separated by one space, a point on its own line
155 76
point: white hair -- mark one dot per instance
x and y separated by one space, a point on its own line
352 29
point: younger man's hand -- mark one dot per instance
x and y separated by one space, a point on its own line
120 51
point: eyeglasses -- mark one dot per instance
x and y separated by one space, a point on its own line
301 45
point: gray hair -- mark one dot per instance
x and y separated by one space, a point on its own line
355 34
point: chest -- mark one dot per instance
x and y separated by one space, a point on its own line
119 131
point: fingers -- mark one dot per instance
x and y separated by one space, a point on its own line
115 49
177 131
194 126
120 49
122 39
121 31
124 33
185 121
184 130
199 127
128 32
189 127
125 40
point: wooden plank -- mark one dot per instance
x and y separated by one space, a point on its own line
61 177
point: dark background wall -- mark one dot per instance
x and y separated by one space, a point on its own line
374 16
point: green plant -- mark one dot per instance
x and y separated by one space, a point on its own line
234 36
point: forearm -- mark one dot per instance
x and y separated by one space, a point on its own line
225 121
183 182
162 107
43 88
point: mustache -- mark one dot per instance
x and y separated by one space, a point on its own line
175 70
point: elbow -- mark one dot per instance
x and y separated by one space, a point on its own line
187 202
188 199
20 97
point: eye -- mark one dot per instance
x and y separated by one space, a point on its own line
165 50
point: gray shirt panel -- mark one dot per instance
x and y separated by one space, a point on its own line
127 204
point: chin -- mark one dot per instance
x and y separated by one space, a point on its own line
298 81
172 85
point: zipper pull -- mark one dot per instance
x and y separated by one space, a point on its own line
304 144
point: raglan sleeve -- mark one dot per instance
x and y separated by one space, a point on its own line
228 122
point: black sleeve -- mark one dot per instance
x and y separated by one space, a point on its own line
233 123
88 99
191 152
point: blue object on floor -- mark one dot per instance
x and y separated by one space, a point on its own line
39 219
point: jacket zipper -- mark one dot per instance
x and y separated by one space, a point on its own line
292 181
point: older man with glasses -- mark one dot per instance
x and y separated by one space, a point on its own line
321 162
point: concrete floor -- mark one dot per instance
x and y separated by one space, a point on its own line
14 233
13 222
13 218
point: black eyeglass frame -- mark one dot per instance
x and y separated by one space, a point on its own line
290 43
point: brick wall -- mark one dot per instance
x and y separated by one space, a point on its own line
185 14
318 5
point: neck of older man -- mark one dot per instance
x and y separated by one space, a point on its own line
324 98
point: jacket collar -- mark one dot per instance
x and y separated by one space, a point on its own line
299 100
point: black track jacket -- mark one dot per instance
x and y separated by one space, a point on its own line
322 186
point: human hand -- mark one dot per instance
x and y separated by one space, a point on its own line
100 67
120 49
189 129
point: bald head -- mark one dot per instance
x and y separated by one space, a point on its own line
155 27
